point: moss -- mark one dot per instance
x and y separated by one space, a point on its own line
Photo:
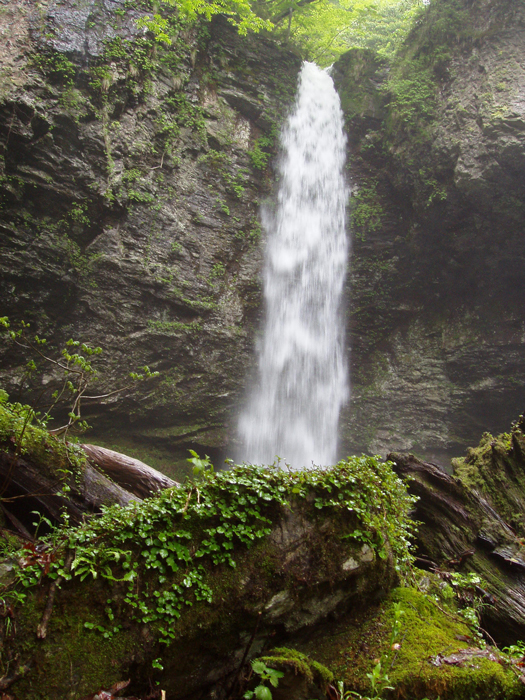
352 648
53 457
59 667
422 65
284 659
356 74
194 567
496 467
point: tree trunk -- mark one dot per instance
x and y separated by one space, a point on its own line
26 488
130 473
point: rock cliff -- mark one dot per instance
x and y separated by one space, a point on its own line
131 179
131 174
437 155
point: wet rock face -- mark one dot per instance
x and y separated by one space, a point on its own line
130 210
437 323
82 28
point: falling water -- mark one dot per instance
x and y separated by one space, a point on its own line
293 412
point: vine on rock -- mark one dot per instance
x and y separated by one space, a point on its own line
161 551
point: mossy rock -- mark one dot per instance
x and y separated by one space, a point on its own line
496 468
55 458
303 678
416 670
173 589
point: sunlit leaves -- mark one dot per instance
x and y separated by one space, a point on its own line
239 12
325 29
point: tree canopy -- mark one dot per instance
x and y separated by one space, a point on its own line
324 29
320 29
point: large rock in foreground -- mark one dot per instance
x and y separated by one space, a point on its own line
199 578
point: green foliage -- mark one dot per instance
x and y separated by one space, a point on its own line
413 94
234 178
324 30
383 27
73 364
366 212
157 25
423 62
78 213
515 651
186 114
222 206
293 661
259 154
172 541
201 467
258 157
467 590
24 429
267 675
217 271
55 66
239 12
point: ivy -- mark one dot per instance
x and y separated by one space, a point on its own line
171 542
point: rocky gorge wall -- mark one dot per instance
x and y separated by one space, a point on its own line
131 174
131 177
437 156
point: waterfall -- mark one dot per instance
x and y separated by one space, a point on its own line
293 411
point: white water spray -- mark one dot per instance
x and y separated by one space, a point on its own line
294 410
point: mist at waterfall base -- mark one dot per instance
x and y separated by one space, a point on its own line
293 410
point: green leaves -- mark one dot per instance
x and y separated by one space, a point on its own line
74 367
267 674
157 25
200 466
163 550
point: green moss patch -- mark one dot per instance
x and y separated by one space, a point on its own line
496 468
55 458
428 632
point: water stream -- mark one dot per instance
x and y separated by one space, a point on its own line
293 410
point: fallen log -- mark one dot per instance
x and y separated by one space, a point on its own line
26 488
132 474
461 530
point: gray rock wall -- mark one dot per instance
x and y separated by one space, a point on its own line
436 313
129 218
129 211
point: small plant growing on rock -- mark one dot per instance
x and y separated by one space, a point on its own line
201 465
379 680
267 675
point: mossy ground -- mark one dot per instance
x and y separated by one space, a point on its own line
58 667
352 647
